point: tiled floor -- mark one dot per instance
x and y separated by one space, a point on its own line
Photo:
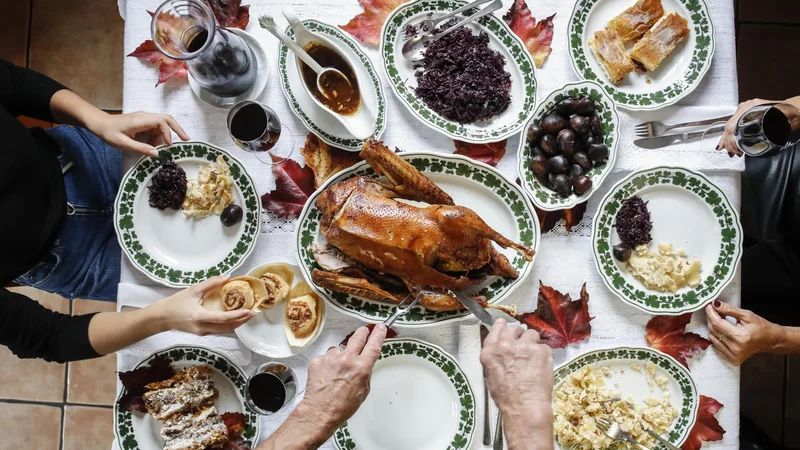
46 406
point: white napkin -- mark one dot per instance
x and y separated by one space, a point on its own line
469 351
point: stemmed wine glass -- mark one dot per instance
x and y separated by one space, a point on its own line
255 128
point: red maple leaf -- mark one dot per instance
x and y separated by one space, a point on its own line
490 153
706 427
134 382
294 184
536 36
558 319
390 333
549 219
235 422
667 334
367 26
229 14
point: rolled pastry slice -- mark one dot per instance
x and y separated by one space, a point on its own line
277 289
301 315
659 42
637 19
610 52
237 293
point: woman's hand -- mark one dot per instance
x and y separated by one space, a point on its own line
751 334
184 311
121 131
727 141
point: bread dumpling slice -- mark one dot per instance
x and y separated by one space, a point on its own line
277 280
238 293
301 316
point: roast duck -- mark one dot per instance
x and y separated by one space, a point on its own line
383 249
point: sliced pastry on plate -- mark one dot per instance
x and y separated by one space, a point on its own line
610 52
637 19
659 42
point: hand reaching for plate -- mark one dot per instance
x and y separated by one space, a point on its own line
120 131
519 375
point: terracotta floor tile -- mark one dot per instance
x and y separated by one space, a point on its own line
14 31
92 381
87 59
33 379
775 11
86 427
27 426
30 123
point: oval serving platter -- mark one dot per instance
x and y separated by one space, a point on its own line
543 197
502 204
688 211
142 431
677 76
400 72
681 385
317 120
391 417
175 250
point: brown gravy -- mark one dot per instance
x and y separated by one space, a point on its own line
345 98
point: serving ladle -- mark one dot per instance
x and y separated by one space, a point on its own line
414 47
325 75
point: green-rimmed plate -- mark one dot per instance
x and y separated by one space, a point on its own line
419 399
688 211
400 72
543 197
317 120
682 389
176 250
679 73
500 203
142 432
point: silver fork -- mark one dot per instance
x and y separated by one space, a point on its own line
408 302
612 430
657 128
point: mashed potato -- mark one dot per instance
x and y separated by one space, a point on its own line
665 270
584 396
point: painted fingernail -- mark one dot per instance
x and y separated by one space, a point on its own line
717 303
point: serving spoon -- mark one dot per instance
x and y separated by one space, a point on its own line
324 74
413 48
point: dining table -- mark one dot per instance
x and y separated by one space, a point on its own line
564 259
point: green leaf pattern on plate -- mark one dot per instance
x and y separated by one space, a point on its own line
195 355
511 194
497 29
701 57
336 35
451 369
124 218
715 279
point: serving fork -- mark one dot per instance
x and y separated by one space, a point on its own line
612 430
408 302
657 128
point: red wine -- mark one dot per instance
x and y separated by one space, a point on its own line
267 392
198 41
227 66
253 123
776 127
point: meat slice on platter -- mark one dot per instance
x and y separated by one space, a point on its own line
383 248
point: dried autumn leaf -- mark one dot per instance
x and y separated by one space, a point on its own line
558 319
236 442
230 13
490 153
390 333
536 36
367 26
294 184
134 382
167 67
667 334
235 422
706 426
325 160
549 219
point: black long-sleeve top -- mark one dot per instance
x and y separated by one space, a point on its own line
32 207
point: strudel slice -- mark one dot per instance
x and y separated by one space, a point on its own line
660 41
637 19
610 52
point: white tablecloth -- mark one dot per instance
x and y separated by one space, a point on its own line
564 260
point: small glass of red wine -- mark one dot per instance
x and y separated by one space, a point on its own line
276 383
255 128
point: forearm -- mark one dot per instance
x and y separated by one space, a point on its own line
111 331
302 430
786 340
529 428
69 108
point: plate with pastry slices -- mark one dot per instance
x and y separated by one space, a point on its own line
291 313
646 53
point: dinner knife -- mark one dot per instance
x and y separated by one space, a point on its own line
669 139
473 306
487 410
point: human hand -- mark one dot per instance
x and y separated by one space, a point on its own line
727 141
752 334
184 311
121 130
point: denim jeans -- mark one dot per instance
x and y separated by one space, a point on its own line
84 261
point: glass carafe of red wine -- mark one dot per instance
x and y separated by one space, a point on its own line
218 59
